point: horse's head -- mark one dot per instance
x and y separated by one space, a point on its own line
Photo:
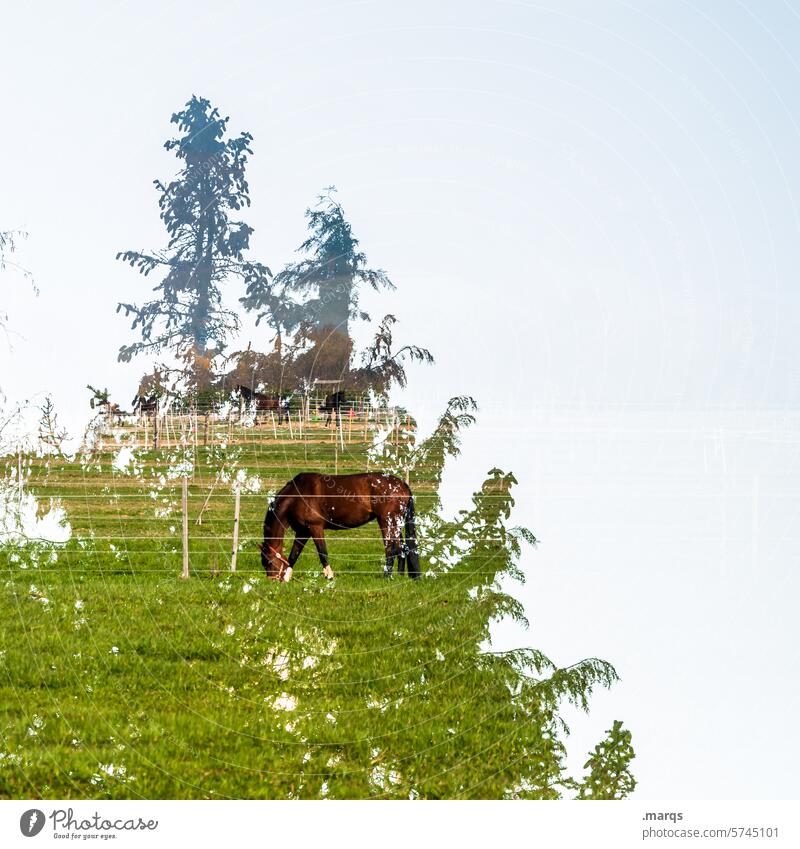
275 564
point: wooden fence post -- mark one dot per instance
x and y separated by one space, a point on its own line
185 504
235 548
274 429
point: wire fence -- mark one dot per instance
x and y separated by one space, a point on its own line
194 490
172 424
182 487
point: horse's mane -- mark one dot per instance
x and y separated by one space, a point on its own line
271 520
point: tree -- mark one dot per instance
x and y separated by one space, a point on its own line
317 298
413 737
255 370
100 397
327 279
51 435
206 245
382 366
609 767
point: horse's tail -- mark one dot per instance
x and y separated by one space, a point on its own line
412 557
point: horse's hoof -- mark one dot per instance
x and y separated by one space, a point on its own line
328 573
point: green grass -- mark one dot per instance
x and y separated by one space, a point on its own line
129 682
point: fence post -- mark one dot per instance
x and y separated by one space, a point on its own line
185 504
274 429
235 547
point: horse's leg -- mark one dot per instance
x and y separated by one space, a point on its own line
300 539
396 523
322 549
390 546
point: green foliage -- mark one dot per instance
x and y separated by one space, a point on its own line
206 245
427 459
327 279
609 767
119 680
100 397
316 299
51 434
383 367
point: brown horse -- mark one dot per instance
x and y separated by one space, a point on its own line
144 404
262 401
312 503
334 401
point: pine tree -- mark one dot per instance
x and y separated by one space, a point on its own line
327 279
317 298
206 246
609 767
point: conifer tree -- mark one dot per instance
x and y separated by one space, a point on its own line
321 291
207 244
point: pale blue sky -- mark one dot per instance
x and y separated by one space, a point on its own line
583 204
602 193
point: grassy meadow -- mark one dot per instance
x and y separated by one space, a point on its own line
120 680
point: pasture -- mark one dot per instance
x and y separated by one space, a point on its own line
118 679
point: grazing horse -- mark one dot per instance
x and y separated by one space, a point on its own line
332 407
144 404
312 503
260 400
114 411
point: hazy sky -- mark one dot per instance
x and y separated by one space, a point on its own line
585 205
593 201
